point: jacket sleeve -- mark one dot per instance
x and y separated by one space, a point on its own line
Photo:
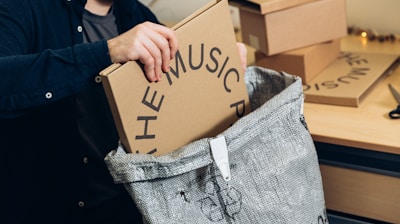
30 78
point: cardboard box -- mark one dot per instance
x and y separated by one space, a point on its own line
289 28
268 6
349 78
202 95
305 62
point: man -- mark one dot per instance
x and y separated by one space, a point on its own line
55 123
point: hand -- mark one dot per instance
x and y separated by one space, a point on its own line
152 44
242 54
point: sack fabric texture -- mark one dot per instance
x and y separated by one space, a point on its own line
274 170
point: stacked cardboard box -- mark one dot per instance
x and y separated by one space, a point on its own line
203 93
300 37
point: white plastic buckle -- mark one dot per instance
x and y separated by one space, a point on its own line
219 152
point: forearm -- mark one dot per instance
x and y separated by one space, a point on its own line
32 80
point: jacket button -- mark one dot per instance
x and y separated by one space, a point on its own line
79 29
97 79
48 95
81 204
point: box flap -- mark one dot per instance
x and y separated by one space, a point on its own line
268 6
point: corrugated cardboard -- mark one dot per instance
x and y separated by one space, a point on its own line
305 62
202 95
291 28
348 80
267 6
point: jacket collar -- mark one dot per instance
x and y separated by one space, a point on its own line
80 2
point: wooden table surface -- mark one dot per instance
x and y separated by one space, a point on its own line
367 126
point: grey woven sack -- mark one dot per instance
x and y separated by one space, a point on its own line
262 169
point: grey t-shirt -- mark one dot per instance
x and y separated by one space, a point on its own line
95 122
94 119
98 27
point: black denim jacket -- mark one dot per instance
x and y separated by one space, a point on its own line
51 173
42 59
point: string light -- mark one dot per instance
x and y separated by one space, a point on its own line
370 35
364 34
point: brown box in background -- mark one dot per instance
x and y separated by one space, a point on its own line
202 95
306 62
349 79
291 27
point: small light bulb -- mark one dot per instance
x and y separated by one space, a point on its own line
364 34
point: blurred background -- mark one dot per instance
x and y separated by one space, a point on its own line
381 16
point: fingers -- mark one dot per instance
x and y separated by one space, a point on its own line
162 47
242 54
157 42
152 44
168 35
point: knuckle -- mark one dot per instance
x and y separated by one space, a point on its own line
148 61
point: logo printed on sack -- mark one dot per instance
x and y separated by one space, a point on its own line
221 200
323 219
